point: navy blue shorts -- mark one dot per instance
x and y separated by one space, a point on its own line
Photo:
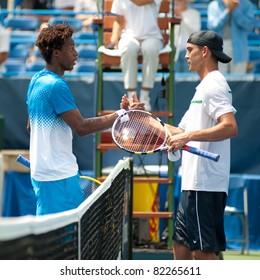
199 222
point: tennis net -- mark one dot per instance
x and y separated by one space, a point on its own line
99 229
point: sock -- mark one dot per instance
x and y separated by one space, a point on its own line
129 94
144 97
144 93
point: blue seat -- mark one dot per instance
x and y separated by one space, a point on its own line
254 54
204 24
238 185
86 67
257 23
253 36
22 23
202 1
253 39
87 52
86 38
72 21
256 68
15 66
37 53
36 65
201 5
23 37
19 51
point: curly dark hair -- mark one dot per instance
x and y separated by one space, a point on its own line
53 38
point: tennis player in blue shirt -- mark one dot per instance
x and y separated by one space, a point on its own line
53 118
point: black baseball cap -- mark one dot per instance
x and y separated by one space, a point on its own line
213 41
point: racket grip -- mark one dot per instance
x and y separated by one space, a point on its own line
21 159
202 153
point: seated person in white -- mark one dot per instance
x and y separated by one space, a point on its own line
136 31
90 6
64 4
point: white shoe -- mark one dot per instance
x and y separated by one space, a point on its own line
146 101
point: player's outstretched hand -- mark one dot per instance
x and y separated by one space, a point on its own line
131 104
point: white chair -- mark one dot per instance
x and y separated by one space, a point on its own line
237 183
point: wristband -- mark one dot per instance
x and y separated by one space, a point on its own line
120 112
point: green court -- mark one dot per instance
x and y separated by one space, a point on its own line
236 255
151 254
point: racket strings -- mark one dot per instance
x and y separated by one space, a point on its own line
125 134
140 133
156 138
155 133
152 140
137 134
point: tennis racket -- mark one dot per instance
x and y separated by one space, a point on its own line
140 132
88 184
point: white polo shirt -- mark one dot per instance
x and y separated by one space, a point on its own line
212 99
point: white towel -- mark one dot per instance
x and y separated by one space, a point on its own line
117 52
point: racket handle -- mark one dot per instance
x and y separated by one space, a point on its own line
201 153
21 159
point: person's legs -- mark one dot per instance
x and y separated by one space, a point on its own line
145 98
210 209
150 49
181 252
205 255
199 225
130 50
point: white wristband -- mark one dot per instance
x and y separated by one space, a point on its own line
120 112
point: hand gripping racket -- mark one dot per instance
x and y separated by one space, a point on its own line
140 132
88 184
